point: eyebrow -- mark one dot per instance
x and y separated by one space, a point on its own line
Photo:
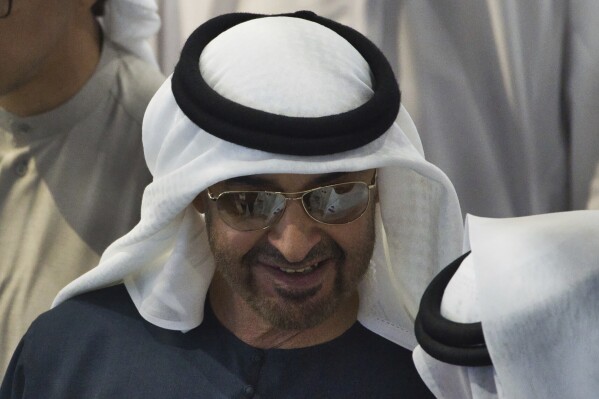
256 180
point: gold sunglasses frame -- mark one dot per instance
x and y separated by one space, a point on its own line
294 196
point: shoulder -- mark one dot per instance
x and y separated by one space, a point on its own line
104 309
347 366
137 81
360 345
379 349
97 345
97 326
392 366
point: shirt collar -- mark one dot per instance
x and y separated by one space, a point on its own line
66 116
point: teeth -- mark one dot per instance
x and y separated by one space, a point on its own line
304 270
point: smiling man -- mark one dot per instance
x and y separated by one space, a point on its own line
290 229
296 279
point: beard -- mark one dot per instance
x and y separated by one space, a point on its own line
294 309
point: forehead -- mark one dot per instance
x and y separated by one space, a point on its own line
294 181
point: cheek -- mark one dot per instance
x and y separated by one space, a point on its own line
28 41
224 238
357 231
356 238
240 243
19 58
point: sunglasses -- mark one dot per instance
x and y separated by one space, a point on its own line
257 210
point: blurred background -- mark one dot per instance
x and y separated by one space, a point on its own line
504 93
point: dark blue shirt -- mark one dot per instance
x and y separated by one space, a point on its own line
97 346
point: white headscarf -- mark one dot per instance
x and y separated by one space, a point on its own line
130 23
533 282
165 261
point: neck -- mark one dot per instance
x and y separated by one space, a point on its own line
250 327
62 75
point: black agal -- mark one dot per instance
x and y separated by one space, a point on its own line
461 344
280 134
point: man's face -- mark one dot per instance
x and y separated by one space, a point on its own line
30 40
298 271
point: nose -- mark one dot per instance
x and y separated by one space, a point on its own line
295 233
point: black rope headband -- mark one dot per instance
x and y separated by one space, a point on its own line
265 131
462 344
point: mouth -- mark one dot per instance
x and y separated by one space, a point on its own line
304 270
295 280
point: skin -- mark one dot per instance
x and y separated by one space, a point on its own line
267 308
49 50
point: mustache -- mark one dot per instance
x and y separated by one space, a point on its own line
325 249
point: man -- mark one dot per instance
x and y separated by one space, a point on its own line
284 241
72 97
531 285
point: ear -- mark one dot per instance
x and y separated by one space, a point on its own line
199 202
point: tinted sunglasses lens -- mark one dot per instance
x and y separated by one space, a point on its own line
247 211
339 203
